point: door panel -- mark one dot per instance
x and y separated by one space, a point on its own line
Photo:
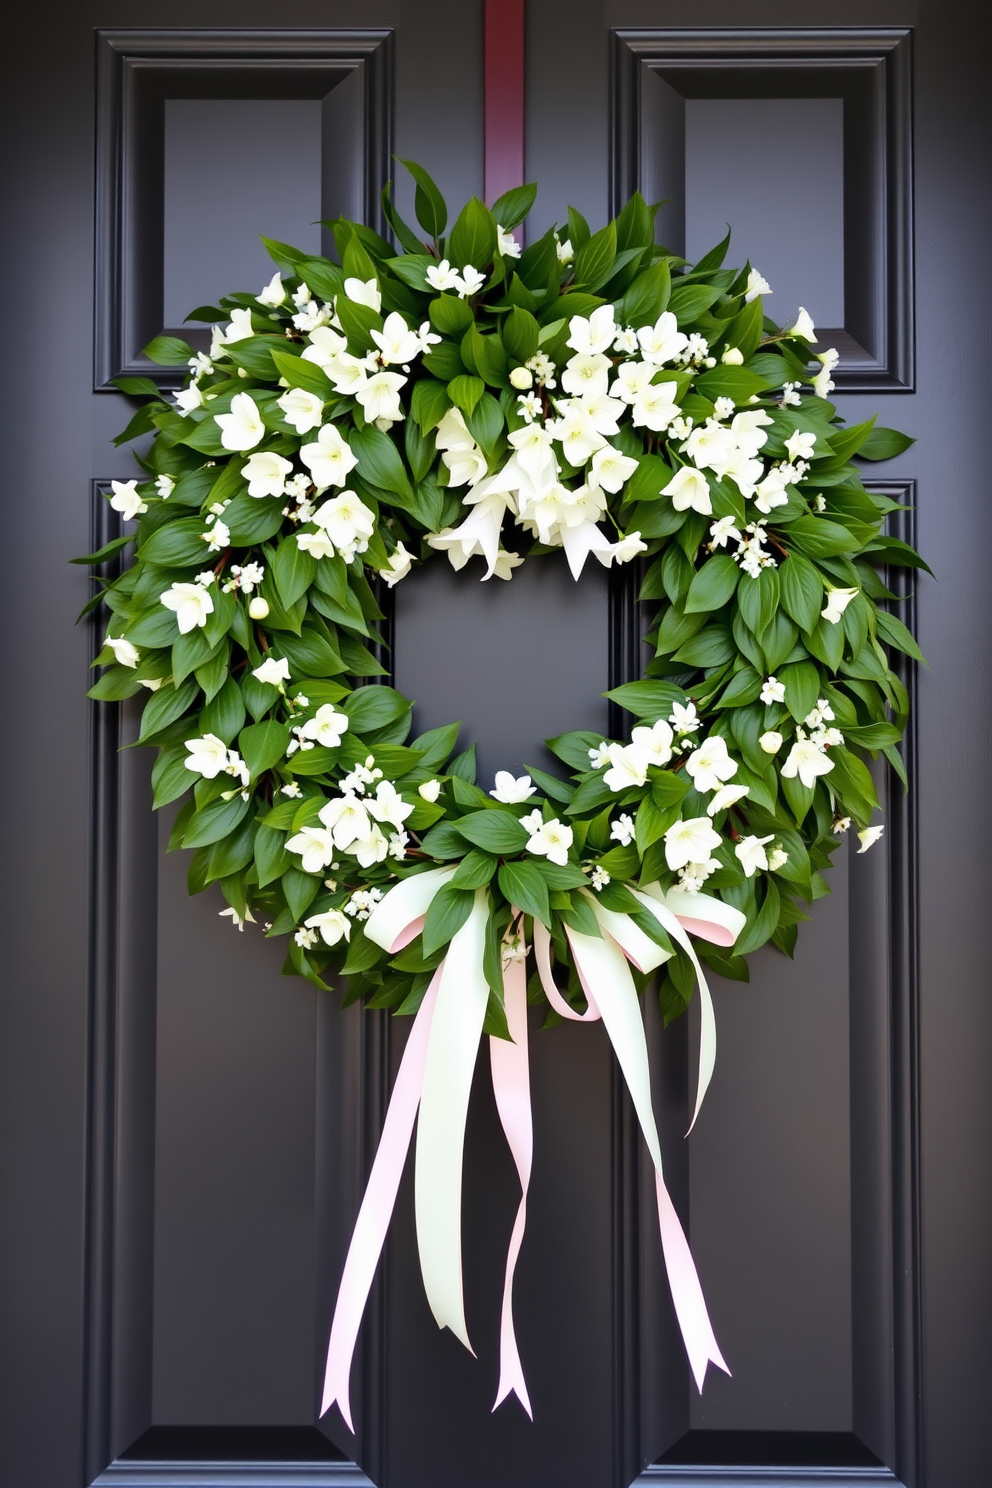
184 1136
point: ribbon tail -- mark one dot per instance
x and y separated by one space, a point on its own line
511 1086
602 966
376 1210
453 1045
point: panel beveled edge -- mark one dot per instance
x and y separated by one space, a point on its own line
894 1114
888 49
122 57
124 1474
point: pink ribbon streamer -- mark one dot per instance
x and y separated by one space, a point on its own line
369 1235
511 1087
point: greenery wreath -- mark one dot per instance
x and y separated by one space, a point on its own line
610 399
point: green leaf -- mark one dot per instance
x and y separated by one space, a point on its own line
851 780
293 570
510 209
474 871
404 235
168 351
465 392
225 713
178 544
484 355
262 745
370 708
428 203
449 909
802 688
574 748
107 551
473 236
894 633
759 930
309 654
647 699
166 705
271 857
884 444
594 260
170 777
801 590
743 687
301 374
429 403
652 822
215 821
731 382
450 315
494 831
688 301
524 886
647 297
713 585
520 334
820 538
379 461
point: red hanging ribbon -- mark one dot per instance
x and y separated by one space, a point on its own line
504 96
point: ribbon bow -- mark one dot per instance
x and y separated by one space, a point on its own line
435 1076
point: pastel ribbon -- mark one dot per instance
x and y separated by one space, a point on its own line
435 1077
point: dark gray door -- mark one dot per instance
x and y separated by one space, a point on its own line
185 1136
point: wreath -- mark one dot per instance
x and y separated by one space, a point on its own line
592 393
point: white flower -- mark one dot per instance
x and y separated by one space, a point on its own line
258 608
804 326
126 499
564 250
388 805
732 357
622 830
628 766
266 473
722 531
726 796
292 790
315 846
430 790
189 398
329 458
306 939
807 760
348 522
689 488
712 447
756 285
654 743
273 672
326 727
379 396
591 335
800 445
165 485
442 276
469 282
362 903
710 765
191 603
217 537
371 848
325 346
610 469
632 379
125 654
772 691
823 383
427 337
586 374
207 756
599 878
551 840
837 602
363 292
771 742
663 341
400 563
242 428
752 855
841 825
771 492
237 920
396 341
600 756
332 925
347 819
510 789
274 292
523 379
868 836
692 841
655 407
506 243
628 547
777 858
724 407
302 409
684 720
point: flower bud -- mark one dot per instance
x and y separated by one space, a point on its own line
521 378
732 357
771 742
258 608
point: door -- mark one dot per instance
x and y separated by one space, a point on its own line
185 1137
